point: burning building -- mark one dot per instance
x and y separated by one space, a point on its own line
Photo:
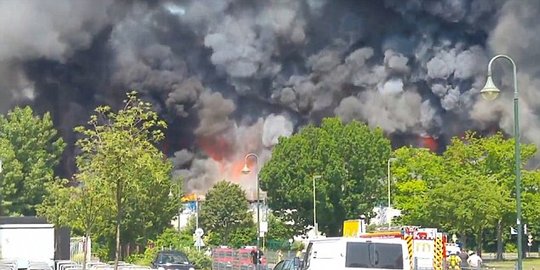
232 76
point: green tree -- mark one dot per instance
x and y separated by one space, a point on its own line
467 190
225 216
531 203
30 151
119 155
351 158
278 229
415 172
81 207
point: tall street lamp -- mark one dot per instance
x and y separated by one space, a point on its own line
490 92
390 160
246 170
1 184
315 225
178 197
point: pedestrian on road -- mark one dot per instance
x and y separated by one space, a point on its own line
256 256
474 261
454 262
464 257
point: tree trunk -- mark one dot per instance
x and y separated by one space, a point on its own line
463 240
85 248
479 242
499 240
118 222
117 252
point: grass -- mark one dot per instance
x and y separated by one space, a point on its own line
528 264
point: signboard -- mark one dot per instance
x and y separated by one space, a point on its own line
199 242
426 233
351 228
264 226
423 251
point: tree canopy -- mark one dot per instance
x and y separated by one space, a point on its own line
225 217
30 150
124 180
467 189
351 160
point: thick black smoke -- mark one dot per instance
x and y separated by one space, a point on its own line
232 76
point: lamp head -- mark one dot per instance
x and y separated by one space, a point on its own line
245 169
490 91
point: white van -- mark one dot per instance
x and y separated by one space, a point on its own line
356 253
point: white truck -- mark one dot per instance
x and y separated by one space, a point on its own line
356 254
27 239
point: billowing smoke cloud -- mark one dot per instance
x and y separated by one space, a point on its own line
43 30
515 36
232 76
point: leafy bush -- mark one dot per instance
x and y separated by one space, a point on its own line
510 247
172 239
201 260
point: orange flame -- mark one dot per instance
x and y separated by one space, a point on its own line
429 142
217 147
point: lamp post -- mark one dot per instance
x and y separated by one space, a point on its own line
246 170
1 184
390 160
490 92
315 225
173 196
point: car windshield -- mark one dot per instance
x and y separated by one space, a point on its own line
374 255
172 258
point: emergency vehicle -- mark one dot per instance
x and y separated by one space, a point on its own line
426 246
353 253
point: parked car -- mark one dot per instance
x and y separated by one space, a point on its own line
288 264
171 260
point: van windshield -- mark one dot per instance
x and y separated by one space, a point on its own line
374 255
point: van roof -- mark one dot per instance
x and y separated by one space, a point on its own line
357 239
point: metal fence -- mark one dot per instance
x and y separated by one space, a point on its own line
96 265
13 265
224 258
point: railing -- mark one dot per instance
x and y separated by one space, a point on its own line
235 259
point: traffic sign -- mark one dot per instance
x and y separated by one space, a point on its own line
513 231
199 242
264 226
199 232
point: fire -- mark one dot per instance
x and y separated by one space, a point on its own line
235 172
218 148
429 142
230 164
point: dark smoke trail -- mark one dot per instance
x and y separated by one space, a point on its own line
231 76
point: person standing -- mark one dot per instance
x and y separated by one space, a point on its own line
474 261
464 257
256 256
454 262
279 255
